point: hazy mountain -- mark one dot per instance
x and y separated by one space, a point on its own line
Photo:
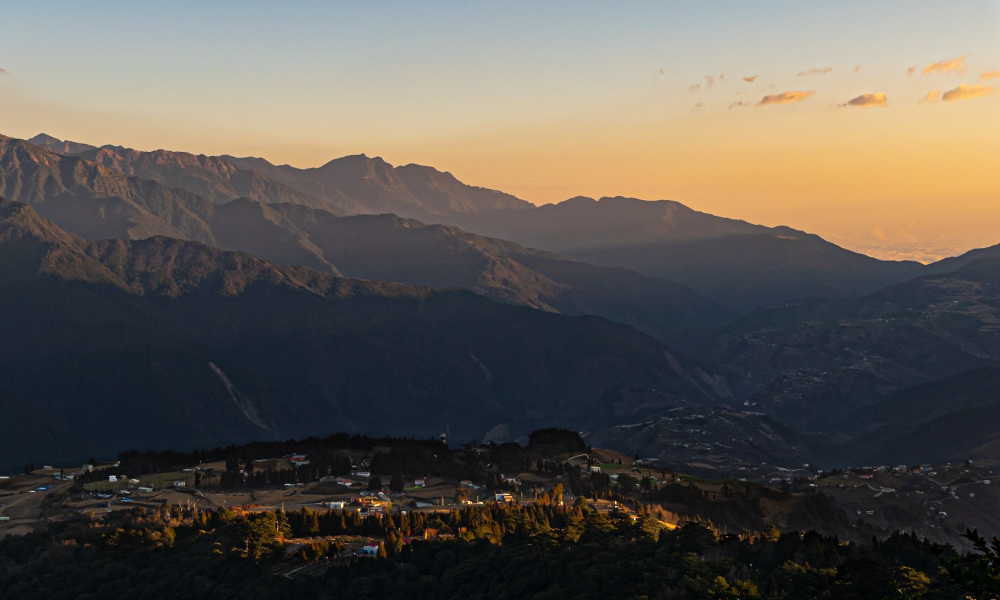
811 363
389 248
167 343
370 185
947 265
60 146
97 202
733 262
943 421
210 177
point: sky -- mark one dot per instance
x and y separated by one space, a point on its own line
873 124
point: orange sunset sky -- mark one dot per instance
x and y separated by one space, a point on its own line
873 124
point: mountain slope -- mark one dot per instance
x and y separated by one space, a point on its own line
210 177
388 248
165 343
949 420
733 262
812 363
98 202
954 263
94 201
60 146
371 185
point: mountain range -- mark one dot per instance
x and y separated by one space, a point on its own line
169 343
734 263
779 323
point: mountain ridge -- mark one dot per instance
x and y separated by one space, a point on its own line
121 343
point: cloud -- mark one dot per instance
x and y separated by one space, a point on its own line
738 103
709 80
786 97
911 70
694 88
750 79
822 71
867 100
722 76
932 96
879 233
699 105
5 72
661 71
856 68
987 75
956 65
967 92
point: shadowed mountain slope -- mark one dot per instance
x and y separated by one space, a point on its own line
389 248
97 202
164 343
738 264
812 363
944 421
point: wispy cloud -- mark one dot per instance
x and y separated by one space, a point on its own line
699 105
694 88
856 68
750 79
911 70
967 92
661 71
709 80
955 65
4 72
786 97
932 96
822 71
738 103
868 100
987 75
722 76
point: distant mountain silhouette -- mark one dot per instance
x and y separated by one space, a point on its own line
210 177
370 185
99 202
164 343
954 263
735 263
60 146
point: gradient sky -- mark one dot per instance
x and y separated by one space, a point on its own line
549 100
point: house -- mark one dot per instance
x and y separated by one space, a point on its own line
345 481
595 469
369 550
504 497
420 483
180 484
299 460
465 483
363 474
112 479
145 489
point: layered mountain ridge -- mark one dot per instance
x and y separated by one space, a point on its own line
169 343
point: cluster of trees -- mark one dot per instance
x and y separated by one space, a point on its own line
545 550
